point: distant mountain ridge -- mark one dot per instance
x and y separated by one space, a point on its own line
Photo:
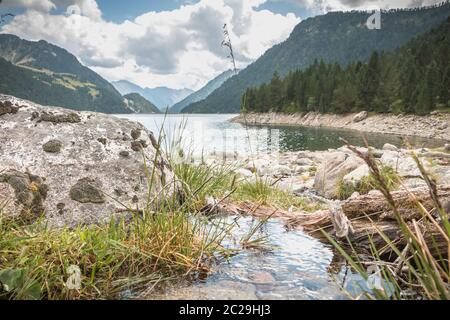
50 75
161 97
340 37
203 93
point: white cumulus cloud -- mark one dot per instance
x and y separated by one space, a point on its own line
178 48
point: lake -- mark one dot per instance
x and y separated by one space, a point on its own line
207 133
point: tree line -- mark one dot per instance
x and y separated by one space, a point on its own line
413 79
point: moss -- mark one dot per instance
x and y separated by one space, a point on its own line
102 141
136 133
138 145
7 107
30 191
53 146
70 117
124 154
87 190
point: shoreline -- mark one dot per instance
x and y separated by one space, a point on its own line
436 126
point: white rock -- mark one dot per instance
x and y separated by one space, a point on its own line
403 164
97 170
360 116
356 175
331 172
447 147
304 162
390 147
244 172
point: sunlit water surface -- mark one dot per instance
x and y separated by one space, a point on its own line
207 133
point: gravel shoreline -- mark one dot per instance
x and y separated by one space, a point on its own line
435 126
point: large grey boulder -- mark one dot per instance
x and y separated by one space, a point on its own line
403 164
76 167
332 171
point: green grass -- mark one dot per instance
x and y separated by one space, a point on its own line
112 257
262 192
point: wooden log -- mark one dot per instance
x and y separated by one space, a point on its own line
406 204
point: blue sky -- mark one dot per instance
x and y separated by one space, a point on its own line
119 10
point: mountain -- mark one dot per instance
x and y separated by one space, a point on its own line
139 104
161 97
204 92
414 78
340 37
50 75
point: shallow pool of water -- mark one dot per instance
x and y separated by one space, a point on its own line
293 265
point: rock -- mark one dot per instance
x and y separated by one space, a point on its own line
354 195
360 116
443 126
447 147
79 184
304 162
355 177
302 169
332 171
390 147
402 164
244 173
413 183
282 170
53 146
262 278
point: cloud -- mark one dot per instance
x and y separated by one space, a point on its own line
178 48
88 8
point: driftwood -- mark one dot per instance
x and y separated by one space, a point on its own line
358 218
405 201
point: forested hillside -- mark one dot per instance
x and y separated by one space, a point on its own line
203 93
340 37
413 79
49 75
139 104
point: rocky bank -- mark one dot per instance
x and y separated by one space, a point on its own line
322 172
435 126
76 167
